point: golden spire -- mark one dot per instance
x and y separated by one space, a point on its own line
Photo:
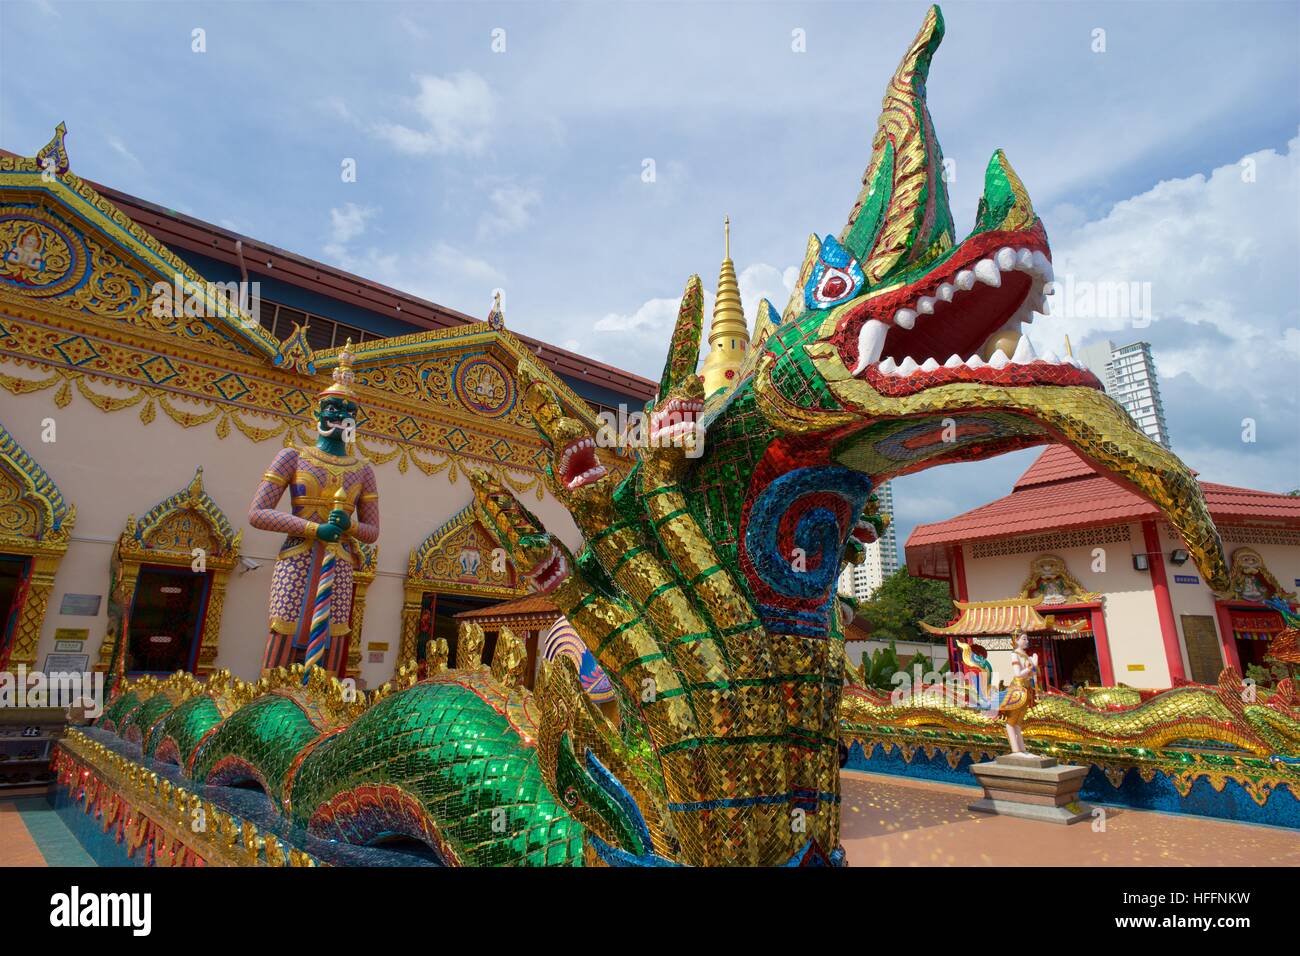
344 377
729 332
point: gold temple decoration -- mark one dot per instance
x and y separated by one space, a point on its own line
457 558
1051 582
729 332
368 561
1249 578
35 523
173 534
90 316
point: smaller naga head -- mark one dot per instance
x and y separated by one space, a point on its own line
542 560
572 443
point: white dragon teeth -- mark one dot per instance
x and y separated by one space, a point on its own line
871 338
871 342
1024 355
1043 266
987 271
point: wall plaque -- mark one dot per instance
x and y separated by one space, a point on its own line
80 605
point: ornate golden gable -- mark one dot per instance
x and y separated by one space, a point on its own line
186 529
35 522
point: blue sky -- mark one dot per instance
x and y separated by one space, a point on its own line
522 169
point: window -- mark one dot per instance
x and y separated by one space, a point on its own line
322 333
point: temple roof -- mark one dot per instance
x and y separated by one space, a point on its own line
1062 491
999 617
177 231
520 607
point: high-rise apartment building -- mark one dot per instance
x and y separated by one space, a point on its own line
861 580
1129 374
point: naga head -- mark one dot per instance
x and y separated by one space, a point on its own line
535 553
901 349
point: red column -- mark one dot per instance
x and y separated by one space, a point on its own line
1101 638
957 585
959 574
1164 606
1226 639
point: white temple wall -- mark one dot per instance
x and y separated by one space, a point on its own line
110 466
1132 624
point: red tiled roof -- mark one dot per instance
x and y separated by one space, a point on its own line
529 604
1056 463
1061 491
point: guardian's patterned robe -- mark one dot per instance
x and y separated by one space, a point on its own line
312 477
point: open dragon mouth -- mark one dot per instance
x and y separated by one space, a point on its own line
961 323
578 465
675 420
550 573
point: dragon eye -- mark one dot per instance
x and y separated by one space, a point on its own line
836 277
834 285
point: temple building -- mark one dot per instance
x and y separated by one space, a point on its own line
1101 583
151 368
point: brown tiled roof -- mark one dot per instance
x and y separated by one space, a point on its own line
529 604
178 231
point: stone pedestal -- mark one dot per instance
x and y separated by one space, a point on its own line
1035 788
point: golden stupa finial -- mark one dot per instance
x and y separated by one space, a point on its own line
729 331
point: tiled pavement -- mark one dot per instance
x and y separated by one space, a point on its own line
31 834
894 821
887 821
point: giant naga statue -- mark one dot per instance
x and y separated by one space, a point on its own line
705 586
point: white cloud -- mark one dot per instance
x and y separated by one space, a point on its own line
509 212
638 340
761 281
115 143
462 265
457 113
1219 254
349 222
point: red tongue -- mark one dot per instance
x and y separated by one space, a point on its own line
960 327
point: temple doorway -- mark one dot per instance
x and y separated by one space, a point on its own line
1076 663
166 622
438 619
13 582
